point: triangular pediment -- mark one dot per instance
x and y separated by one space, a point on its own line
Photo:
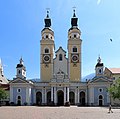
99 80
18 80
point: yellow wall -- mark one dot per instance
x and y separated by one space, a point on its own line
75 72
46 72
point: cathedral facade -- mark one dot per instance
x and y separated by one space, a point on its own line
60 76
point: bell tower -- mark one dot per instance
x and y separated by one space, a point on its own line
21 70
99 68
47 48
74 50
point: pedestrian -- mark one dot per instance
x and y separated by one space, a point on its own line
110 109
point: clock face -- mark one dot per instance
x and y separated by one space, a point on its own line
75 58
46 58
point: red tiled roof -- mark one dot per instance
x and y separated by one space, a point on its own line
115 70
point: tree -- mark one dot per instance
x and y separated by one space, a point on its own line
3 94
114 90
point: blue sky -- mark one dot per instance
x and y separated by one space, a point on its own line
21 22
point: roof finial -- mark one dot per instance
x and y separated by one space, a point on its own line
99 59
48 9
74 11
21 60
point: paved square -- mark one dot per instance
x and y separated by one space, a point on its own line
73 112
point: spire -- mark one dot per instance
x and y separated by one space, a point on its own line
47 20
1 68
74 19
47 14
99 63
21 60
99 59
74 15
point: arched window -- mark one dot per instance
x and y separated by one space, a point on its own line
46 50
100 71
74 49
19 71
60 57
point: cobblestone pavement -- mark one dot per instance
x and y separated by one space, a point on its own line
73 112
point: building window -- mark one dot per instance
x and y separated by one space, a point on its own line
46 36
18 90
74 49
60 57
100 89
100 71
19 71
46 50
74 35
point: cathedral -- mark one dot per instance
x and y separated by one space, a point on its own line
60 76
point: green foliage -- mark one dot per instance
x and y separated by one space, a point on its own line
3 94
114 90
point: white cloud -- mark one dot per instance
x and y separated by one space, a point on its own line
98 2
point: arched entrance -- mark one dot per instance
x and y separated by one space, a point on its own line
100 100
82 98
19 100
38 98
60 98
48 98
72 98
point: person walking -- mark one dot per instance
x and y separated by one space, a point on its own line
110 109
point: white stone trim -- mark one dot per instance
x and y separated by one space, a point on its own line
64 95
68 94
55 95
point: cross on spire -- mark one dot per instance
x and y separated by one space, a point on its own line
48 11
99 59
74 15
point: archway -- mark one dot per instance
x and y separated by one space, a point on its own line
82 98
38 98
72 98
48 98
19 100
60 98
100 100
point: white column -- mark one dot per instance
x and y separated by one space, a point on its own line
108 98
45 96
34 98
64 95
67 94
78 96
86 97
75 96
30 91
55 95
11 94
51 93
27 96
92 95
42 96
